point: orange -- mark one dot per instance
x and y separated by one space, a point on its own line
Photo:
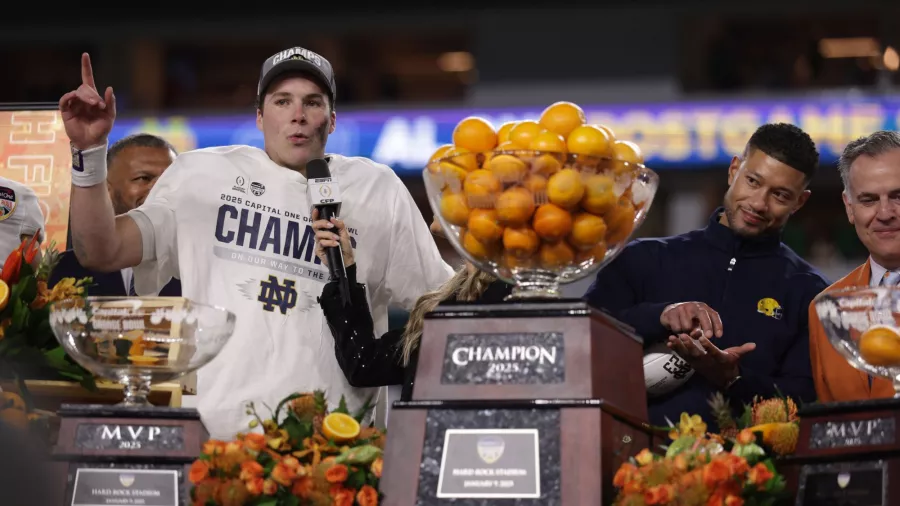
548 141
609 132
620 221
627 151
506 146
437 155
511 261
520 242
481 187
515 206
522 134
339 427
484 226
597 253
599 196
503 131
536 183
4 294
562 117
589 140
880 346
508 168
552 222
587 231
454 209
455 169
475 247
475 134
547 164
556 255
11 400
565 188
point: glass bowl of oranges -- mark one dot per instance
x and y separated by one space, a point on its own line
539 203
863 325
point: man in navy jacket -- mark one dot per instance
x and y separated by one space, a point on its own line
731 287
134 164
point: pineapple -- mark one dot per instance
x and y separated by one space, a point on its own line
310 407
722 412
774 410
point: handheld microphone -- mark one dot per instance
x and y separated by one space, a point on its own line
325 195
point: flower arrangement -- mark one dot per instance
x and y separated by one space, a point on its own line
28 348
701 469
308 456
774 419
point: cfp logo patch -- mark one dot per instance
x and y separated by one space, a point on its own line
677 367
126 479
769 307
239 184
490 448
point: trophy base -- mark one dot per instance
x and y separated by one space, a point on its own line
847 453
546 452
126 455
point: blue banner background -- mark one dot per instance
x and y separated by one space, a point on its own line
673 136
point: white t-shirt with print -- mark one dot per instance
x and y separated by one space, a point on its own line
20 215
232 226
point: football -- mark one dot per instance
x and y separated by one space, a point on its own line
664 370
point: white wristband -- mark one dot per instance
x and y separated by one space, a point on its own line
89 166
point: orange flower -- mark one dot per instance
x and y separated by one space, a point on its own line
283 475
337 474
233 493
733 500
367 496
746 437
250 470
292 463
269 487
213 447
344 497
660 494
303 487
255 441
254 486
760 475
680 462
624 474
199 471
377 466
234 447
715 473
204 491
644 457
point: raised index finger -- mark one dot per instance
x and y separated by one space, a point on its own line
87 72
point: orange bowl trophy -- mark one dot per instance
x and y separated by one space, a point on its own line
538 398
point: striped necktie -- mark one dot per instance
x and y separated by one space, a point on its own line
890 278
131 291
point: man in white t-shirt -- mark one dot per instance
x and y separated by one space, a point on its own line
20 216
232 223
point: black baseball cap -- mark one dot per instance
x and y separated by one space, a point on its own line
297 59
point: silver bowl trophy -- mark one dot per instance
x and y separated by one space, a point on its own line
848 452
133 452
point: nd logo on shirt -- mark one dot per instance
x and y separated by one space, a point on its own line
252 233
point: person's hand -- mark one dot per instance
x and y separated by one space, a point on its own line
720 367
437 229
88 117
692 318
330 234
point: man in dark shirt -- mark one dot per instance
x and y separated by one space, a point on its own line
732 287
134 164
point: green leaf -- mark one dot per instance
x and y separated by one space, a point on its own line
746 419
679 445
342 407
359 455
297 430
364 410
290 500
356 479
272 501
19 315
29 284
283 402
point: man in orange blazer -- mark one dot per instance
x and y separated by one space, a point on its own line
870 170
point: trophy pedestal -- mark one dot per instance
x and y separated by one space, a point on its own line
125 455
848 453
531 402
